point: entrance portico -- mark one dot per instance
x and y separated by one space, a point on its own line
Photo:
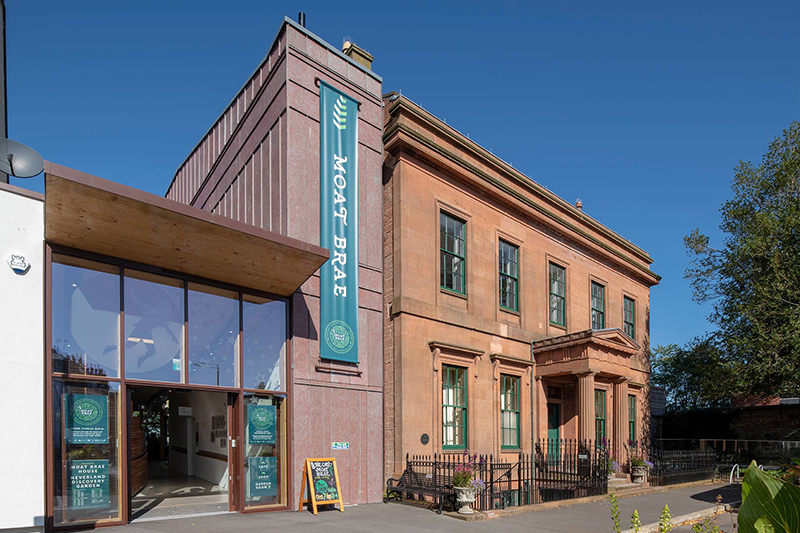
594 381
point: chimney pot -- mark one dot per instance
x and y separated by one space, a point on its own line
579 204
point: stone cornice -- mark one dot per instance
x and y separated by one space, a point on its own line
398 134
626 346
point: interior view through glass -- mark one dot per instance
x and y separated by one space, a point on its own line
179 452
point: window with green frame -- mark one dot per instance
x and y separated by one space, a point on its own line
599 416
558 285
629 317
454 407
598 306
632 417
509 276
509 411
452 252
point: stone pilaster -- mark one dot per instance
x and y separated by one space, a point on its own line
620 417
586 405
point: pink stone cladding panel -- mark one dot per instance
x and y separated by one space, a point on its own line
260 164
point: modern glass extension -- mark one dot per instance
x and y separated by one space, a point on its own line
161 378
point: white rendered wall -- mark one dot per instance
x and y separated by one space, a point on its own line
21 364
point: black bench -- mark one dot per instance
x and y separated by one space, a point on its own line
414 483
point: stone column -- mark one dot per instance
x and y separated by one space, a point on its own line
586 405
620 417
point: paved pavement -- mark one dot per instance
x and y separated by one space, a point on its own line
581 518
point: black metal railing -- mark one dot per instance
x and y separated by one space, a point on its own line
556 470
681 466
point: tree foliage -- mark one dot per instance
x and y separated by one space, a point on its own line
695 376
753 280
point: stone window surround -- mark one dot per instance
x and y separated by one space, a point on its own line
454 355
510 366
631 296
450 210
606 292
515 241
554 330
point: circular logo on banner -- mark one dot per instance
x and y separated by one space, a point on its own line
321 485
339 336
87 412
261 418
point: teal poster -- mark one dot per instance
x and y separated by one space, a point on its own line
263 476
88 484
87 419
338 224
261 424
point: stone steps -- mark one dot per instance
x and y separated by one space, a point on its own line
620 483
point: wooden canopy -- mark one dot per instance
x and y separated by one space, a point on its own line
92 214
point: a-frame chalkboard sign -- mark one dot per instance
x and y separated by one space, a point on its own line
322 478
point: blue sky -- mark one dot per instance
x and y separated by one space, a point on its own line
640 109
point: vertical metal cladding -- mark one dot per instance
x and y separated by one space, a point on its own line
339 224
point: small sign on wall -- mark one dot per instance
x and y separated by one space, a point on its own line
184 411
340 445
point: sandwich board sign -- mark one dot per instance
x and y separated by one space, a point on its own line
322 478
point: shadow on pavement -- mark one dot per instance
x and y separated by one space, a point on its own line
729 493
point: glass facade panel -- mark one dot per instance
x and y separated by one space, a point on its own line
558 286
213 336
154 322
509 276
453 254
85 317
86 452
454 407
264 343
265 442
598 306
600 416
509 411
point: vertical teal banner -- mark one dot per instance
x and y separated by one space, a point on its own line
263 473
261 424
87 419
338 127
88 484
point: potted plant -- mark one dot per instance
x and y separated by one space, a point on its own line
639 467
466 484
613 466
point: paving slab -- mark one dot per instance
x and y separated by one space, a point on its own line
588 517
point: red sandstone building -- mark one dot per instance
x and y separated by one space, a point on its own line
512 315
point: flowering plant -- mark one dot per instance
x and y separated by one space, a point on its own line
464 473
637 460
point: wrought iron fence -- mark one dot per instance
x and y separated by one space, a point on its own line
556 470
681 466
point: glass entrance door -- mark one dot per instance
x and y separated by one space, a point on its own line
263 451
234 452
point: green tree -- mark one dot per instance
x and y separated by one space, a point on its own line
753 280
696 376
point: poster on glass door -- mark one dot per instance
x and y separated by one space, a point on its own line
88 484
263 476
87 419
261 424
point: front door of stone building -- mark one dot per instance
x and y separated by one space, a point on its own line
553 431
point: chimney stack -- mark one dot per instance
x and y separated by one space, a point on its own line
301 19
579 204
357 54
